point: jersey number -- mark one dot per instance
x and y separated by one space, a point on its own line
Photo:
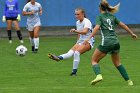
110 25
11 8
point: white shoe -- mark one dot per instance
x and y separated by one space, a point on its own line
10 41
21 41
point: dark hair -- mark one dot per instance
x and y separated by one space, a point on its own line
82 10
28 1
106 7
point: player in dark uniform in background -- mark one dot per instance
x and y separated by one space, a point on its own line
12 15
106 23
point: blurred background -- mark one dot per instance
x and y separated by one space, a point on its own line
58 15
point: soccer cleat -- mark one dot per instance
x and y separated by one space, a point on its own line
73 74
97 79
53 57
35 50
21 41
10 41
130 82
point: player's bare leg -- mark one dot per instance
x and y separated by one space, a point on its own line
97 56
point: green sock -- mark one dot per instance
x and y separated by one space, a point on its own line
123 72
96 69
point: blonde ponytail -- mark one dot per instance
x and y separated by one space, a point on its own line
106 7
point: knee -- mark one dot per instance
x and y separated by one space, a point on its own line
36 35
76 53
9 27
17 28
70 52
93 62
116 64
76 56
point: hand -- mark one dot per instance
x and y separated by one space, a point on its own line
18 18
73 30
40 12
134 36
3 19
32 12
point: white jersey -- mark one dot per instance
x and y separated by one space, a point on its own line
33 20
80 26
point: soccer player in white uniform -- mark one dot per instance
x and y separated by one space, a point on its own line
32 9
84 28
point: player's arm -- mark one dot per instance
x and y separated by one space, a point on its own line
84 31
128 30
17 8
78 36
95 30
5 9
25 13
41 10
4 14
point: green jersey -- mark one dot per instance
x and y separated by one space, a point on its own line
107 23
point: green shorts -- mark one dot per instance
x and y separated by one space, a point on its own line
115 48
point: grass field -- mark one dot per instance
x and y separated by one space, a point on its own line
35 73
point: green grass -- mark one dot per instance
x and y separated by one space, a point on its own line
35 73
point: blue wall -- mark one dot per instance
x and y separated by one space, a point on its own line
61 12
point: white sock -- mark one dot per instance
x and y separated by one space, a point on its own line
32 41
67 55
36 41
76 60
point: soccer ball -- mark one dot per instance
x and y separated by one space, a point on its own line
21 50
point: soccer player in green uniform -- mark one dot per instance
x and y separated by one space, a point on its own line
106 23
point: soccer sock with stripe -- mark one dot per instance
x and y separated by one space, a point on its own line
123 72
9 32
67 55
96 69
76 61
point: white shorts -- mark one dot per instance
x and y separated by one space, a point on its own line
80 42
31 26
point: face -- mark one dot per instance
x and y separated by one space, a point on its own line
79 15
32 0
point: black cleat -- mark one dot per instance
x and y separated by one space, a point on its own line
36 50
73 74
33 48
